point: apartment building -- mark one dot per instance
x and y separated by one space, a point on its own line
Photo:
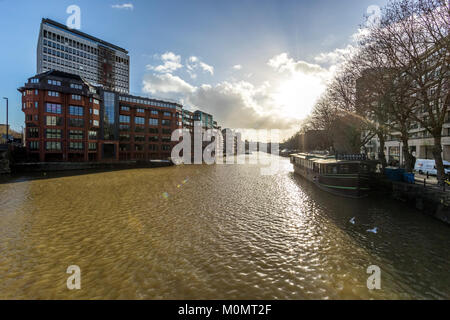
98 62
68 119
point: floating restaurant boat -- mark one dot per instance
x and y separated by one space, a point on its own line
342 175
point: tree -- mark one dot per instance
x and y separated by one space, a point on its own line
412 37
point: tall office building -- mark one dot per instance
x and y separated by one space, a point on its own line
97 61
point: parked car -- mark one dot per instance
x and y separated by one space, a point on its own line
427 166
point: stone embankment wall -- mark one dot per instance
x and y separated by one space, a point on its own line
428 199
4 160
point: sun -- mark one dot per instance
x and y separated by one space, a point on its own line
296 96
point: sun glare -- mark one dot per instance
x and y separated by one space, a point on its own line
296 96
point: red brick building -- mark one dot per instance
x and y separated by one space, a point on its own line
67 119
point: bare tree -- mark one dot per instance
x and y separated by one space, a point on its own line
412 37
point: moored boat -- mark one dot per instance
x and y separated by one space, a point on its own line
343 175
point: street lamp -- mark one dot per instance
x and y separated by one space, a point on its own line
7 131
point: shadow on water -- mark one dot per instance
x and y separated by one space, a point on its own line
407 243
30 176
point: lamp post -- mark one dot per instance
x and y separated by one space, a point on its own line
7 131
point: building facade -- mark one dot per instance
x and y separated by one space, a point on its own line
68 119
71 51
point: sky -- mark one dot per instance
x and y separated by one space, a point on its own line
251 64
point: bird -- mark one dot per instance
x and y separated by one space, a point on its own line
374 230
352 220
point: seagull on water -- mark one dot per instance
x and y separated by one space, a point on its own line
352 220
374 230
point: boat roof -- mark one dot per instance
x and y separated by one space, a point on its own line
324 159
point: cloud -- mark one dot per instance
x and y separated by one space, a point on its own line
278 95
165 83
336 56
171 63
125 6
194 63
283 62
237 105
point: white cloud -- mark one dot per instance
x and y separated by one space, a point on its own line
237 67
165 83
276 97
283 62
336 56
171 63
194 63
126 6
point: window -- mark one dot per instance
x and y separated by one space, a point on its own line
165 123
53 94
96 112
33 145
153 138
33 132
76 134
124 127
124 108
165 139
34 80
139 120
165 147
76 97
154 112
76 145
124 147
76 86
139 147
92 135
36 104
53 108
153 130
95 122
153 147
76 123
167 114
53 133
139 138
153 122
124 119
53 121
54 82
124 137
53 145
140 110
96 101
92 146
75 111
166 131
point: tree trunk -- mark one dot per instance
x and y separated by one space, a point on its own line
407 156
381 155
437 153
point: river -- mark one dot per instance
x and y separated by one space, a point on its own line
211 232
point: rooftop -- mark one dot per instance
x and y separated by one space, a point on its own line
81 34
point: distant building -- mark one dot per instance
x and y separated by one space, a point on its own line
71 51
205 118
68 119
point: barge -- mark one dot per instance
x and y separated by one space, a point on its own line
342 175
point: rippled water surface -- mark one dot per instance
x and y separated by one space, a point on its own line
211 232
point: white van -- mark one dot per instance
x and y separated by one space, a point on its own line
425 166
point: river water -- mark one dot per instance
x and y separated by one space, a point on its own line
211 232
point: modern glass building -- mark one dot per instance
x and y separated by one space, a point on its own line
96 61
